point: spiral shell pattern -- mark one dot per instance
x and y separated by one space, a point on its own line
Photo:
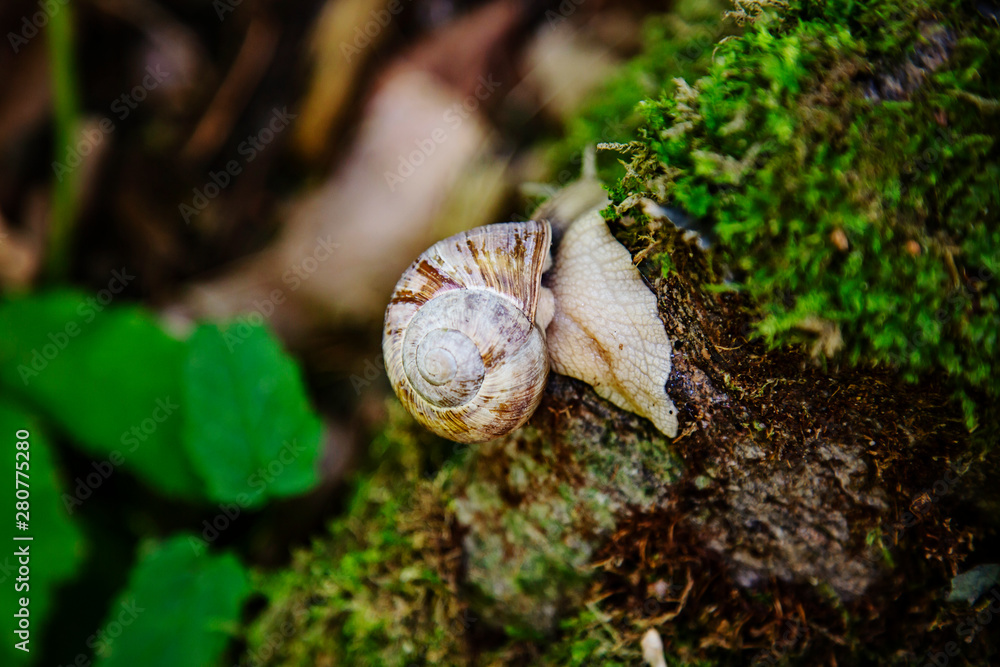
461 347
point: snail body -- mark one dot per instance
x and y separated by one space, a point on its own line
462 347
471 333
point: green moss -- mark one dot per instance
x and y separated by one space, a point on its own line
382 588
536 508
846 156
376 590
592 638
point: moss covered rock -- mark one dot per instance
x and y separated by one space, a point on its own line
534 507
845 156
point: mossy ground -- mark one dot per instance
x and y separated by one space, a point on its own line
446 564
844 156
536 504
379 589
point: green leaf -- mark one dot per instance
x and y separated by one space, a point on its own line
110 377
180 607
249 427
57 546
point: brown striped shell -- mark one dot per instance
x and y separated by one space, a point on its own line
462 349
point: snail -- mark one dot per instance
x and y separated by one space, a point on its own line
471 332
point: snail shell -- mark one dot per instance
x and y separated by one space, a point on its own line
462 348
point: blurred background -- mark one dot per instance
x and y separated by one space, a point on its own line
203 209
205 205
